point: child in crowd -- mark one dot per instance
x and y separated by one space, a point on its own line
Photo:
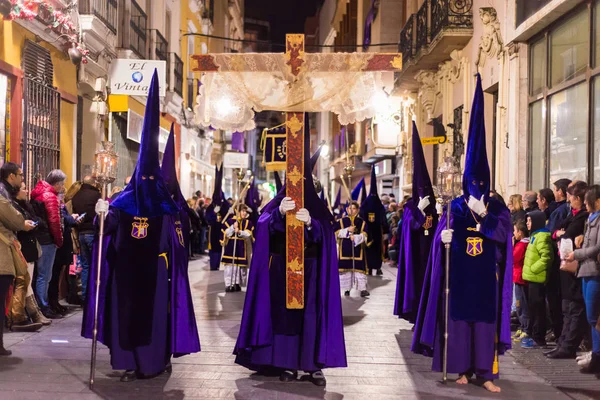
521 235
538 259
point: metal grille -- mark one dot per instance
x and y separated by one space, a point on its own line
41 115
104 10
458 143
422 26
137 33
178 73
407 39
450 14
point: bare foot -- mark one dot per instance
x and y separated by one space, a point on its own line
463 380
489 385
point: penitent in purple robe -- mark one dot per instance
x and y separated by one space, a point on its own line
415 243
140 278
480 273
480 293
270 334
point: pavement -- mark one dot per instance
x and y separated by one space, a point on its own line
54 363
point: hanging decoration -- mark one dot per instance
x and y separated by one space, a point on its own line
57 20
274 148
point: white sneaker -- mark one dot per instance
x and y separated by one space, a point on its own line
584 359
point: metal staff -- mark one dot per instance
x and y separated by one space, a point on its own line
236 268
447 291
105 171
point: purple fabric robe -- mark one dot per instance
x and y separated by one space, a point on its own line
412 259
321 343
472 343
140 343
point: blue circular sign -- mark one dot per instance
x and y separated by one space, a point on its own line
137 77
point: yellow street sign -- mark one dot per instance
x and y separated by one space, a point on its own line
433 140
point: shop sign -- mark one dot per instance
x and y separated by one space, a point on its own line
135 122
133 77
235 160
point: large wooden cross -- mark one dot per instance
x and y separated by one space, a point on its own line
295 59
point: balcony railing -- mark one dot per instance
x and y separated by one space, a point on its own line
178 74
137 33
407 39
161 47
105 10
422 26
430 23
450 14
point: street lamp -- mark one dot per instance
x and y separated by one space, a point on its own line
449 186
105 172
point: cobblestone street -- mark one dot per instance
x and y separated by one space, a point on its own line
54 363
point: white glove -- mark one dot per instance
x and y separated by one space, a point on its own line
217 209
358 239
343 233
101 206
230 231
303 216
244 234
439 208
423 203
447 236
478 206
287 204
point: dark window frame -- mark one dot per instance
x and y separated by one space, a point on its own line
591 72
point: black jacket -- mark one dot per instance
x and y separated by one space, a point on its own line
28 240
85 202
574 225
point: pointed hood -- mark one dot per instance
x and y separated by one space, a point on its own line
169 172
338 199
363 193
421 181
324 199
356 192
372 205
216 197
278 184
476 178
315 157
147 194
373 188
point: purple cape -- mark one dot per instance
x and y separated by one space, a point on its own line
256 331
472 342
412 260
183 332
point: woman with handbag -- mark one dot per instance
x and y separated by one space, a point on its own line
589 272
573 306
11 260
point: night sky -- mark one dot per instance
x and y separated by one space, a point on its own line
285 16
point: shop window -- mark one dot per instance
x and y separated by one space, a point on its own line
562 87
538 144
568 133
569 48
537 70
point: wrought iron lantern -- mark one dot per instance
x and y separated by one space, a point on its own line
449 179
105 164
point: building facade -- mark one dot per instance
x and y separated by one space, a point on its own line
539 65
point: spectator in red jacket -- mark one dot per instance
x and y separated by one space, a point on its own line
521 236
44 199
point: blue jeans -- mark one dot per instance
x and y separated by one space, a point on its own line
591 295
44 273
522 296
86 243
